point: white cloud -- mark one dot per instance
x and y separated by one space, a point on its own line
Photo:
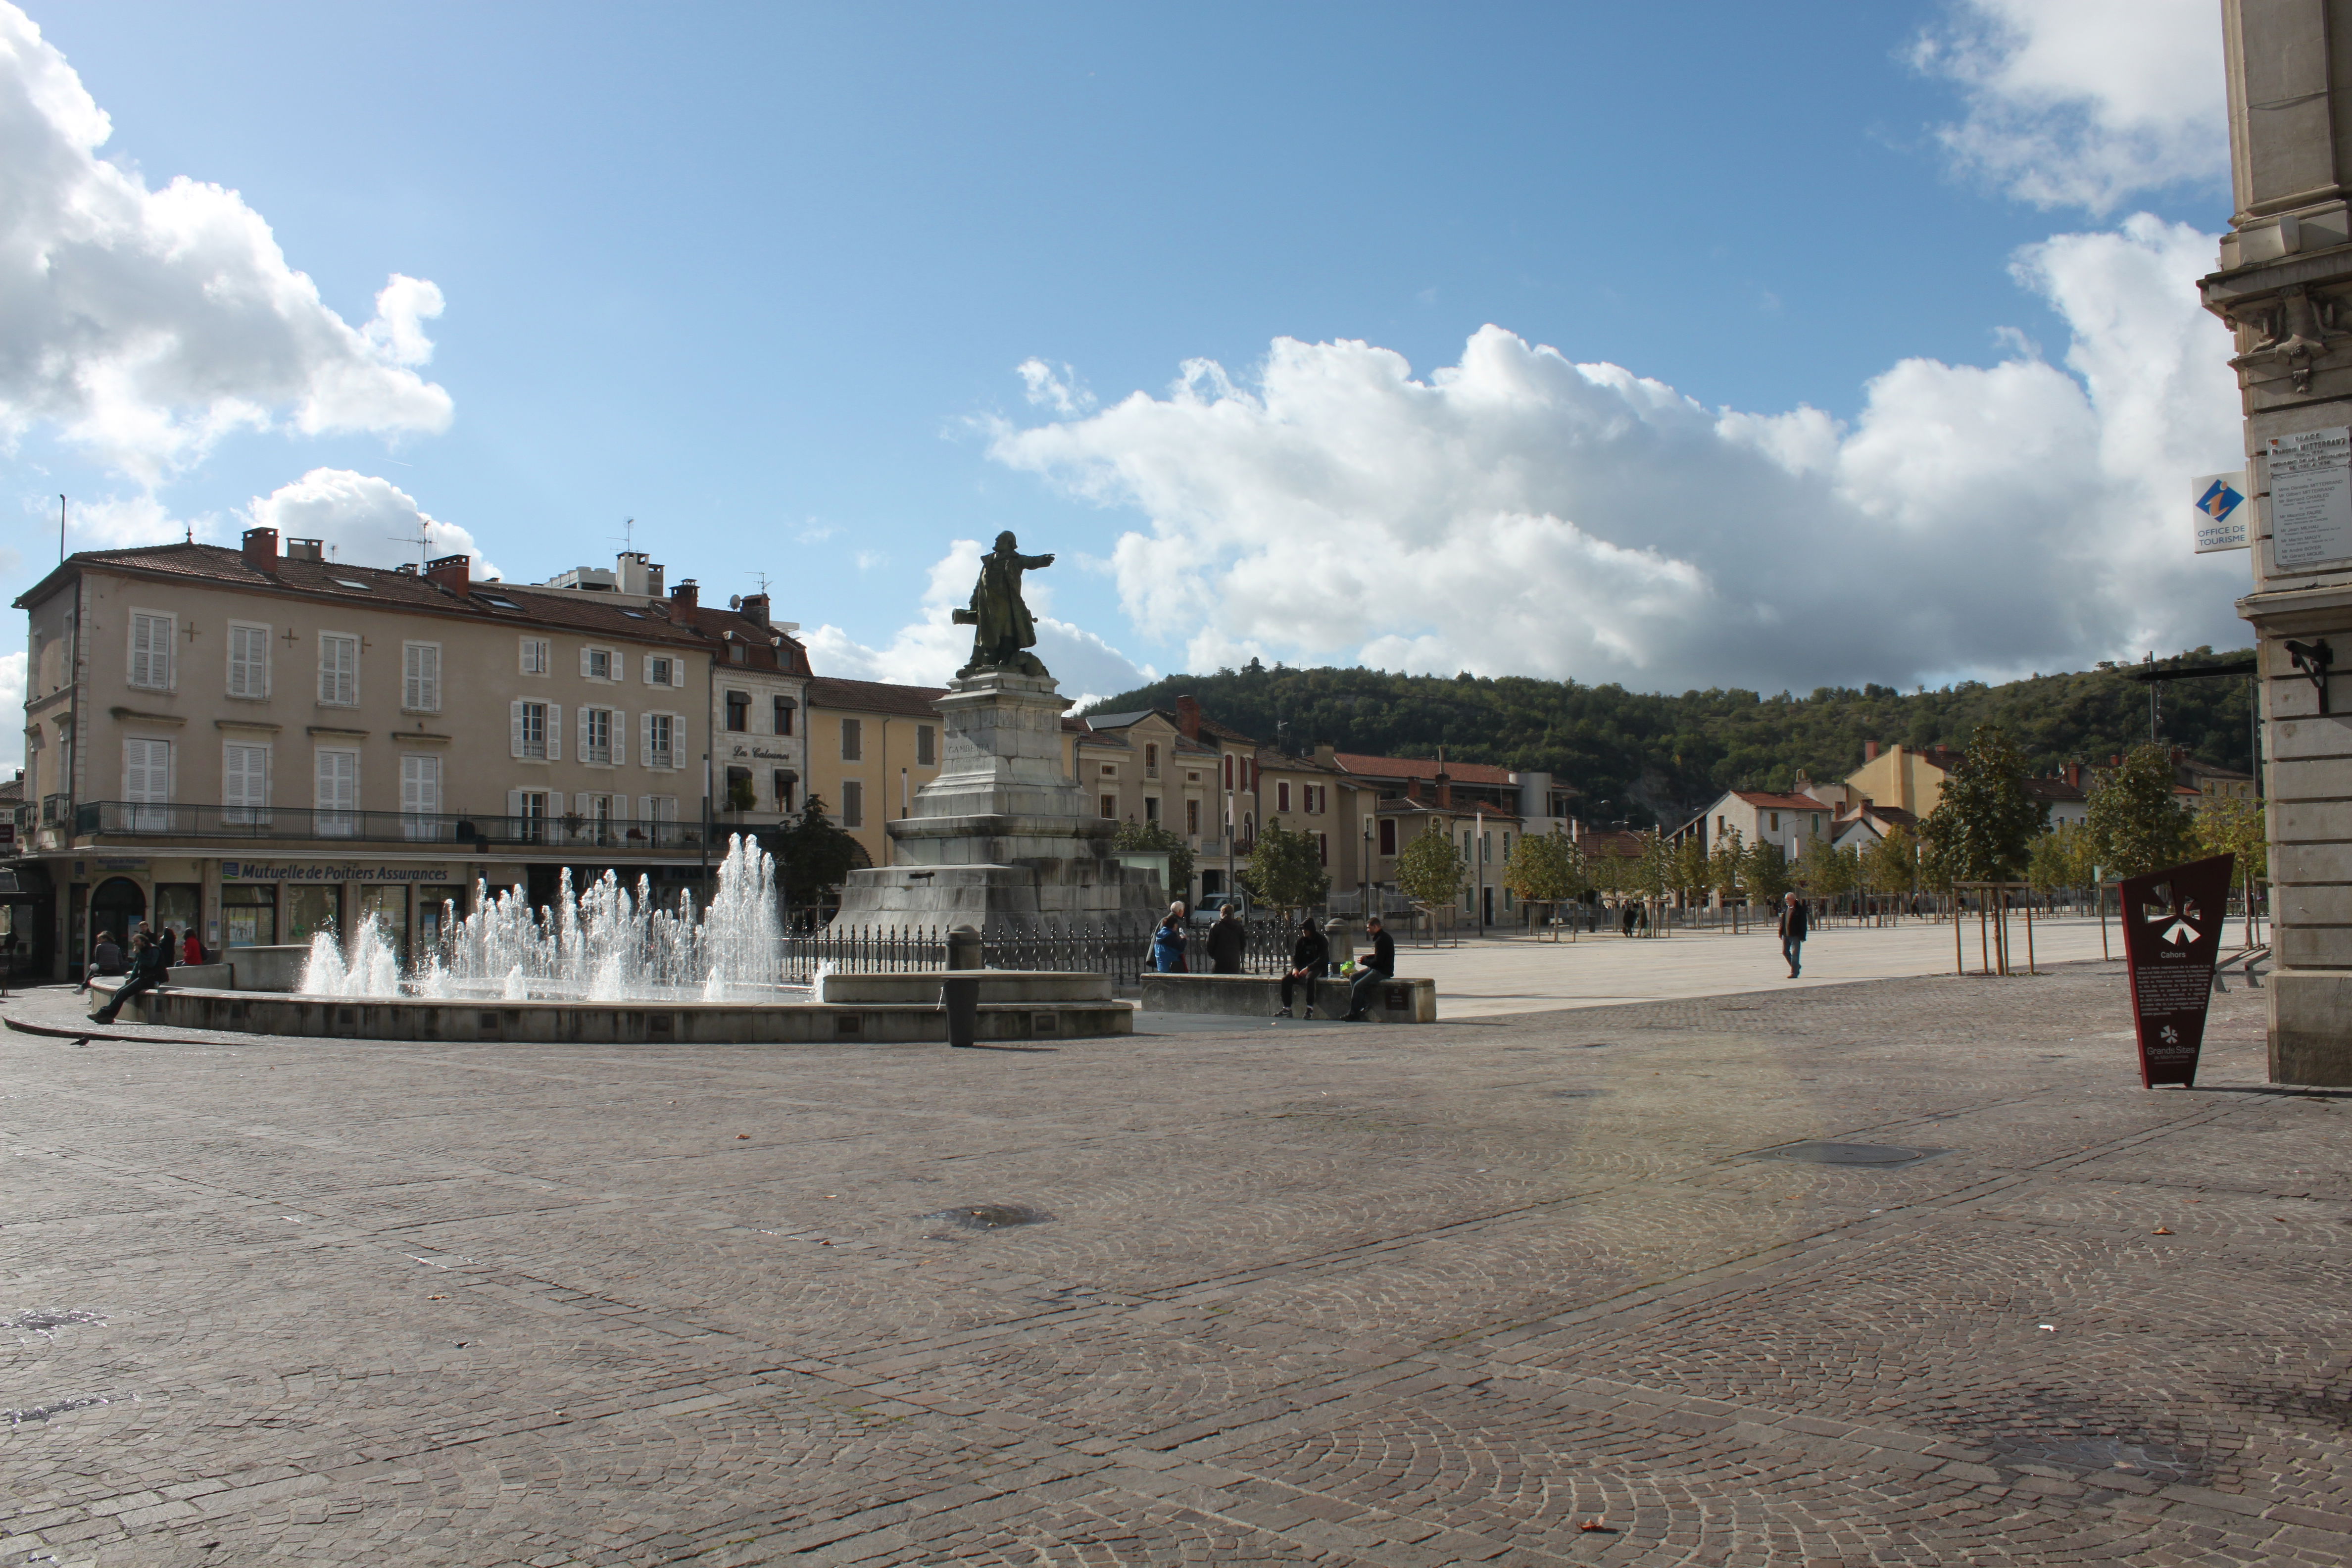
369 520
1054 387
1519 512
145 325
928 651
12 700
2083 102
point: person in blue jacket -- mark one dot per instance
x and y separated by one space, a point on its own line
1168 942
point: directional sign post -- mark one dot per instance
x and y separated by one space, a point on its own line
2221 513
2172 936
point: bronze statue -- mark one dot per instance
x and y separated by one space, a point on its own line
1003 630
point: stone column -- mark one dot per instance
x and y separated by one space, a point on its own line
2284 287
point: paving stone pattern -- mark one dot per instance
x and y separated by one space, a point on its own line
1374 1296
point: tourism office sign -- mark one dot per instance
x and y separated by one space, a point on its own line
2172 938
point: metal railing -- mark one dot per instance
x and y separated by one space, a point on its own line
142 820
1120 947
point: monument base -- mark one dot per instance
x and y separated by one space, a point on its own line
1032 893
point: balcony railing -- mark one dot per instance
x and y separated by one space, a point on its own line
140 819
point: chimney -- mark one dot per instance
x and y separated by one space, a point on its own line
455 573
2074 776
1413 790
1870 751
755 609
262 549
306 550
1188 717
684 600
1444 781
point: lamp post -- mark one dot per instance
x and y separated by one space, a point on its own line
1364 863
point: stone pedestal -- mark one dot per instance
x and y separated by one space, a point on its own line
1003 833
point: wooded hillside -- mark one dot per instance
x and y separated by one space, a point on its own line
1656 758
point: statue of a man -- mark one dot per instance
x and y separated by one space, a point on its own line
1003 630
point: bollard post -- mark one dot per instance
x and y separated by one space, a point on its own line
959 992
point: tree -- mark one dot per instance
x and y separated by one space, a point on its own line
1654 867
2136 823
1984 824
1828 871
1727 865
1430 871
2227 826
813 855
2060 859
1691 869
1548 869
1154 838
1286 870
1891 865
1766 873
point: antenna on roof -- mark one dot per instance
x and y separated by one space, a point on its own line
762 577
628 533
424 539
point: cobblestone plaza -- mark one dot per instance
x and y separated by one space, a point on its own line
1385 1296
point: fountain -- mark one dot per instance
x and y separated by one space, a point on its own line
605 943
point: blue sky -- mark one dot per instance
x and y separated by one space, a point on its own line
763 278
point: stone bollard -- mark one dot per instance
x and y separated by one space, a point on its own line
960 994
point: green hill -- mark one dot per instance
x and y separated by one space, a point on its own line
1652 757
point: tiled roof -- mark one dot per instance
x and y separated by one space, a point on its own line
873 697
1770 802
1420 768
335 580
789 655
2053 789
1121 721
1226 732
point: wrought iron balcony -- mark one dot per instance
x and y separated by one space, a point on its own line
141 819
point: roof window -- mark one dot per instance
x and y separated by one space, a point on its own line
347 583
496 603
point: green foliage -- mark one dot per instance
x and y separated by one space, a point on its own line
2227 826
2137 824
1825 871
813 855
1430 869
1986 822
1287 870
1548 869
1891 865
2060 859
1154 838
1690 868
741 796
1764 872
1727 865
1659 758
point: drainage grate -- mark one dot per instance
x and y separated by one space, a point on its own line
992 1216
1817 1153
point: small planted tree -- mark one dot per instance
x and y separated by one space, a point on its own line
1287 870
1726 865
1432 868
1985 825
1691 869
1154 838
1545 870
2137 823
1891 865
2228 825
1765 873
813 855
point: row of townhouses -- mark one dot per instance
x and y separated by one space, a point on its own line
255 744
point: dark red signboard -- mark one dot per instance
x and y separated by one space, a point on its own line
2172 936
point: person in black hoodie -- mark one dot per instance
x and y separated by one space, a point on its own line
1310 956
146 973
1228 942
1379 966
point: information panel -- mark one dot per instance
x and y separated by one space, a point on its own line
2311 497
2172 937
2221 512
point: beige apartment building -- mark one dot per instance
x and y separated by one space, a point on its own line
255 746
871 745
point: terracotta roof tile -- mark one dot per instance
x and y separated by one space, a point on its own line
874 696
1421 768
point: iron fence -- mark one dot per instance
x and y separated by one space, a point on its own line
566 830
1120 947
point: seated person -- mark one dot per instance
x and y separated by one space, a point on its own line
1381 965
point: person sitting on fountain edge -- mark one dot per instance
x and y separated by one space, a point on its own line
1310 956
1379 966
146 973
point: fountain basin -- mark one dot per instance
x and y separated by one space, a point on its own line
1015 1005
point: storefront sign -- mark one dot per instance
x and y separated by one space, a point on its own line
2172 936
294 871
2221 512
2311 496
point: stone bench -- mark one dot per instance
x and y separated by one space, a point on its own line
1402 1000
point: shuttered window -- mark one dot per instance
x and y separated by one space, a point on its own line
244 782
335 792
853 741
339 669
852 804
150 651
420 797
248 660
420 676
147 781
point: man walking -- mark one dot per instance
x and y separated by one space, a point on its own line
1228 941
1794 924
1309 955
1379 966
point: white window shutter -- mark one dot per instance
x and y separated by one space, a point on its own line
619 666
677 673
620 739
584 661
555 732
514 803
584 732
514 720
644 808
646 740
678 740
649 669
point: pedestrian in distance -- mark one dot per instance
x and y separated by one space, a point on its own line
146 973
1795 921
1228 941
1168 942
105 958
1310 956
192 951
1625 917
1379 966
169 940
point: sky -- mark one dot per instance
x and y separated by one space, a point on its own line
1687 345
